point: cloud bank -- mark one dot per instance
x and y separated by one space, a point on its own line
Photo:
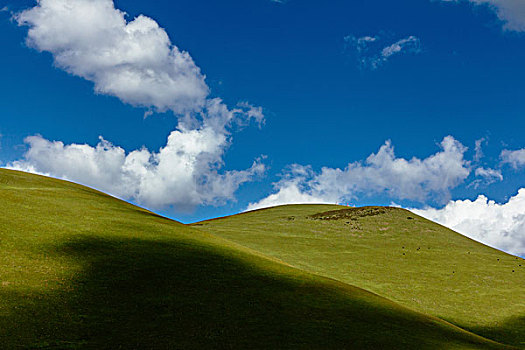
381 173
498 225
182 174
372 54
136 62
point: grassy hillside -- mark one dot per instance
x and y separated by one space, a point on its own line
395 254
82 270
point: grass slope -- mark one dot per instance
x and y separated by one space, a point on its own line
82 270
396 254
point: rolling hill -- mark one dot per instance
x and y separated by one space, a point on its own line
396 254
82 270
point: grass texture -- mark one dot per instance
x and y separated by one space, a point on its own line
82 270
396 254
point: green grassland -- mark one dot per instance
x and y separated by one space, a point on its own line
396 254
82 270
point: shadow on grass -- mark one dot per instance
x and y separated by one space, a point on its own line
511 331
137 294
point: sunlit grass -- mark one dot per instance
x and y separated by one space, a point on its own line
395 254
82 270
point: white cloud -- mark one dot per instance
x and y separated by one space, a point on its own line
372 54
510 12
500 226
132 60
293 188
479 149
182 174
486 176
381 173
136 62
289 194
490 175
363 42
514 158
411 43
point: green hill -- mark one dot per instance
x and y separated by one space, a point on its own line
395 254
82 270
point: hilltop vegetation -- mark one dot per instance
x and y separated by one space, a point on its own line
82 270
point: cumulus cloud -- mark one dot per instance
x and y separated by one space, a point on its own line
136 62
510 12
294 188
500 226
132 60
381 173
514 158
182 174
372 53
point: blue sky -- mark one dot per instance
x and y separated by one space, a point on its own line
303 86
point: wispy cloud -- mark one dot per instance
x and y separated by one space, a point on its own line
372 51
515 158
478 148
488 176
